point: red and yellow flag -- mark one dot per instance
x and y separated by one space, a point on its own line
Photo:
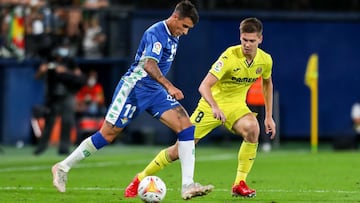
16 35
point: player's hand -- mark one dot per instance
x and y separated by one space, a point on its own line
219 115
176 93
270 127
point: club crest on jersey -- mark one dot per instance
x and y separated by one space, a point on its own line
156 48
218 65
124 120
259 70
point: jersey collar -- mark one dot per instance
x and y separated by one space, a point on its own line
167 30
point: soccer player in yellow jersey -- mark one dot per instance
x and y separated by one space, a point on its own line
223 102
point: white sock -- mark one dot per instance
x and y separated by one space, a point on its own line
85 149
187 159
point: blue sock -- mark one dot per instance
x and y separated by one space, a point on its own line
98 140
187 134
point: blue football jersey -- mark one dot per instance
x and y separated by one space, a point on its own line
137 92
158 44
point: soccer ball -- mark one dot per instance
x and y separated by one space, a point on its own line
152 189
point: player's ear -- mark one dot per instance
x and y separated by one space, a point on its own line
175 15
260 39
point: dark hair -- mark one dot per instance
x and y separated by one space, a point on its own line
187 9
251 25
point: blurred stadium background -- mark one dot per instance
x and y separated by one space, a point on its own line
293 30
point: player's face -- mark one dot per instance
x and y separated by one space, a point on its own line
181 26
250 42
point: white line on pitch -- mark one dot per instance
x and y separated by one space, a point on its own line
109 163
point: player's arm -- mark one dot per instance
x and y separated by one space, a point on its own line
205 91
268 97
152 68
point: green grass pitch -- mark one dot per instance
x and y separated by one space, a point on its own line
283 175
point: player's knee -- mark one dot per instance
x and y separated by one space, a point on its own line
250 131
252 138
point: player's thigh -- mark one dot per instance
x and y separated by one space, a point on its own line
176 119
237 117
204 122
169 111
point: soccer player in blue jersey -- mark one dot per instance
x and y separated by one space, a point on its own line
144 87
223 94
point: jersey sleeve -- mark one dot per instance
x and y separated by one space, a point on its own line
153 47
218 69
268 69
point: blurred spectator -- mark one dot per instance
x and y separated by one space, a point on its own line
63 80
64 26
46 29
90 106
59 25
94 39
37 41
355 116
4 15
48 22
90 98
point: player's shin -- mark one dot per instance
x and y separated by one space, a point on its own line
186 150
158 163
87 147
246 158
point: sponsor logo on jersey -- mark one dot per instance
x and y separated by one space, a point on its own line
156 48
244 80
236 69
218 66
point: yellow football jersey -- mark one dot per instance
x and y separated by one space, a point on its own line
235 75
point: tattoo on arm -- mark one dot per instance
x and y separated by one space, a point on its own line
153 70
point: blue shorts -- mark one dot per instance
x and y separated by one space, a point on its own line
129 101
